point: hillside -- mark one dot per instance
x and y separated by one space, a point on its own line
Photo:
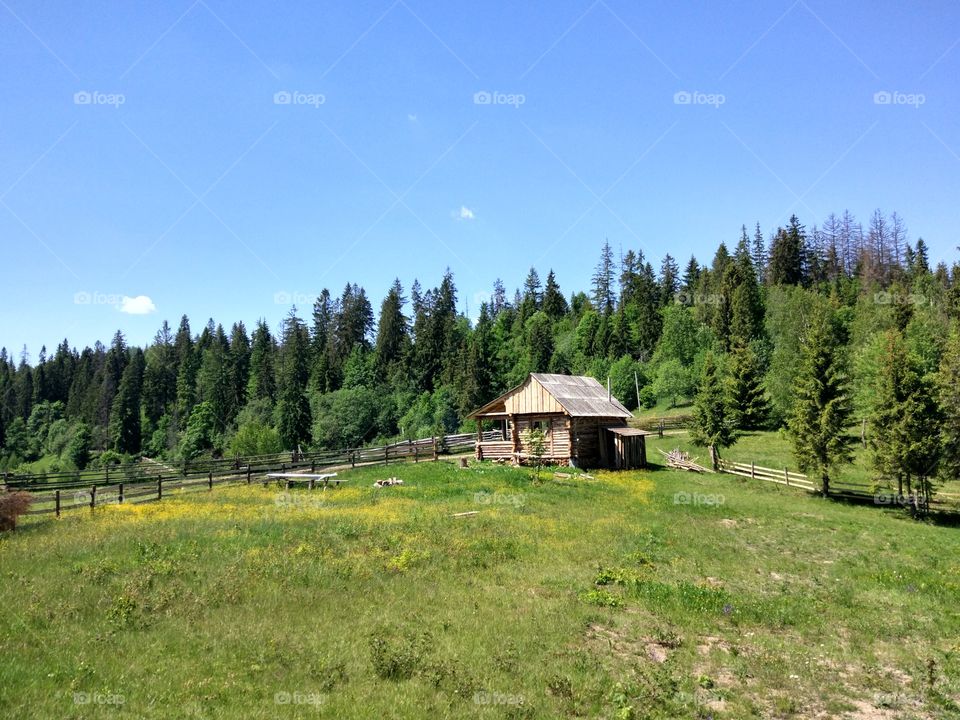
605 597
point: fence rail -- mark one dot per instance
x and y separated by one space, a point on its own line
90 490
674 422
782 477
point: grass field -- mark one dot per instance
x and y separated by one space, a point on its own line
569 598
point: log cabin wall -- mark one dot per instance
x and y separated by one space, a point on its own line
556 430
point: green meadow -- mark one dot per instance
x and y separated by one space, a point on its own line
649 594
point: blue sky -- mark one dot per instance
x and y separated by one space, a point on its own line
223 159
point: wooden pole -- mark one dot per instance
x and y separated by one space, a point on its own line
753 470
786 476
93 497
386 454
248 474
210 480
159 489
636 383
56 498
120 493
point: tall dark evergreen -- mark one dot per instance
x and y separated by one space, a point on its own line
125 411
554 303
603 296
293 409
713 421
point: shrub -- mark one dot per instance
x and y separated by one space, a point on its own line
12 505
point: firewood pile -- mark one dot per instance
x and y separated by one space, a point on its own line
681 461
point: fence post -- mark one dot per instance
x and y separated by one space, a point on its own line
786 476
416 453
159 488
353 458
210 480
313 466
753 470
248 474
93 497
56 498
120 493
106 474
660 427
386 454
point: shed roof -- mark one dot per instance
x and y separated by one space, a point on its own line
578 395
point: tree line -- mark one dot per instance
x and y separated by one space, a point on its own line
814 330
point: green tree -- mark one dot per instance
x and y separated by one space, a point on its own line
78 449
821 409
712 418
906 429
750 409
125 413
293 408
948 385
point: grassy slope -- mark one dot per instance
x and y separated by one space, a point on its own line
771 604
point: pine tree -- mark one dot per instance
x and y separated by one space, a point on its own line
759 254
750 408
125 411
392 330
554 303
293 409
603 281
786 255
669 280
948 384
691 278
712 421
906 430
262 383
821 409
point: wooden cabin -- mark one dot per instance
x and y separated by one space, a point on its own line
583 424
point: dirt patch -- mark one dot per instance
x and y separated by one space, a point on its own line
728 523
612 642
867 711
709 642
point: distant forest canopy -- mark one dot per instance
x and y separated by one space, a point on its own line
342 377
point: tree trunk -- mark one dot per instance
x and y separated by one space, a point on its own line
825 484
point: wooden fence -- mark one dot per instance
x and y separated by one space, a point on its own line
782 477
659 425
54 494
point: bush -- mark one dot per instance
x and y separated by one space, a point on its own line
12 505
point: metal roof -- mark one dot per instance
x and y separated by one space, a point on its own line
581 396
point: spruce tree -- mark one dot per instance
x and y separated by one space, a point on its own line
821 408
948 385
749 406
603 281
293 409
554 303
713 424
125 411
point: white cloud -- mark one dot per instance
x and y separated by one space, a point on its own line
465 213
139 305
